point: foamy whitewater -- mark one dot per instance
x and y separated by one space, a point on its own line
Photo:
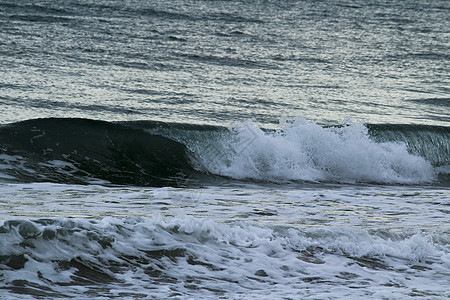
224 149
304 150
178 256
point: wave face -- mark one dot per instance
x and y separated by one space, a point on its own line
86 151
150 153
132 257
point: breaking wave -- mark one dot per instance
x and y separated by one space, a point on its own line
151 153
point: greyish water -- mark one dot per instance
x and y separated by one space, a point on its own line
224 149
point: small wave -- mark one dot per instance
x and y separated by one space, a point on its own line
440 101
40 18
229 61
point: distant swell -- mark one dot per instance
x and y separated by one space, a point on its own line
148 153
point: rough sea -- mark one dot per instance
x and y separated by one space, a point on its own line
225 149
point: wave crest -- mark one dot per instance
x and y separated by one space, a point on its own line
304 150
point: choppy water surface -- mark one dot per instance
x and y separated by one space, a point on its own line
221 61
224 149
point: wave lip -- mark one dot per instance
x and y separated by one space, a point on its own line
306 151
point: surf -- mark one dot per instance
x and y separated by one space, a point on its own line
149 153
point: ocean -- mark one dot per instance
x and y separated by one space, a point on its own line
224 149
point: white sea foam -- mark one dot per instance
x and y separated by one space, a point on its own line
304 150
247 240
192 256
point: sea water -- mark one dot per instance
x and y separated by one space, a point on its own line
224 149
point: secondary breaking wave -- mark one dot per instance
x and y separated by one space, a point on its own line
149 153
59 257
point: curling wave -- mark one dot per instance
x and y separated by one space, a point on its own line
151 153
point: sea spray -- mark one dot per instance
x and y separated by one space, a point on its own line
304 150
